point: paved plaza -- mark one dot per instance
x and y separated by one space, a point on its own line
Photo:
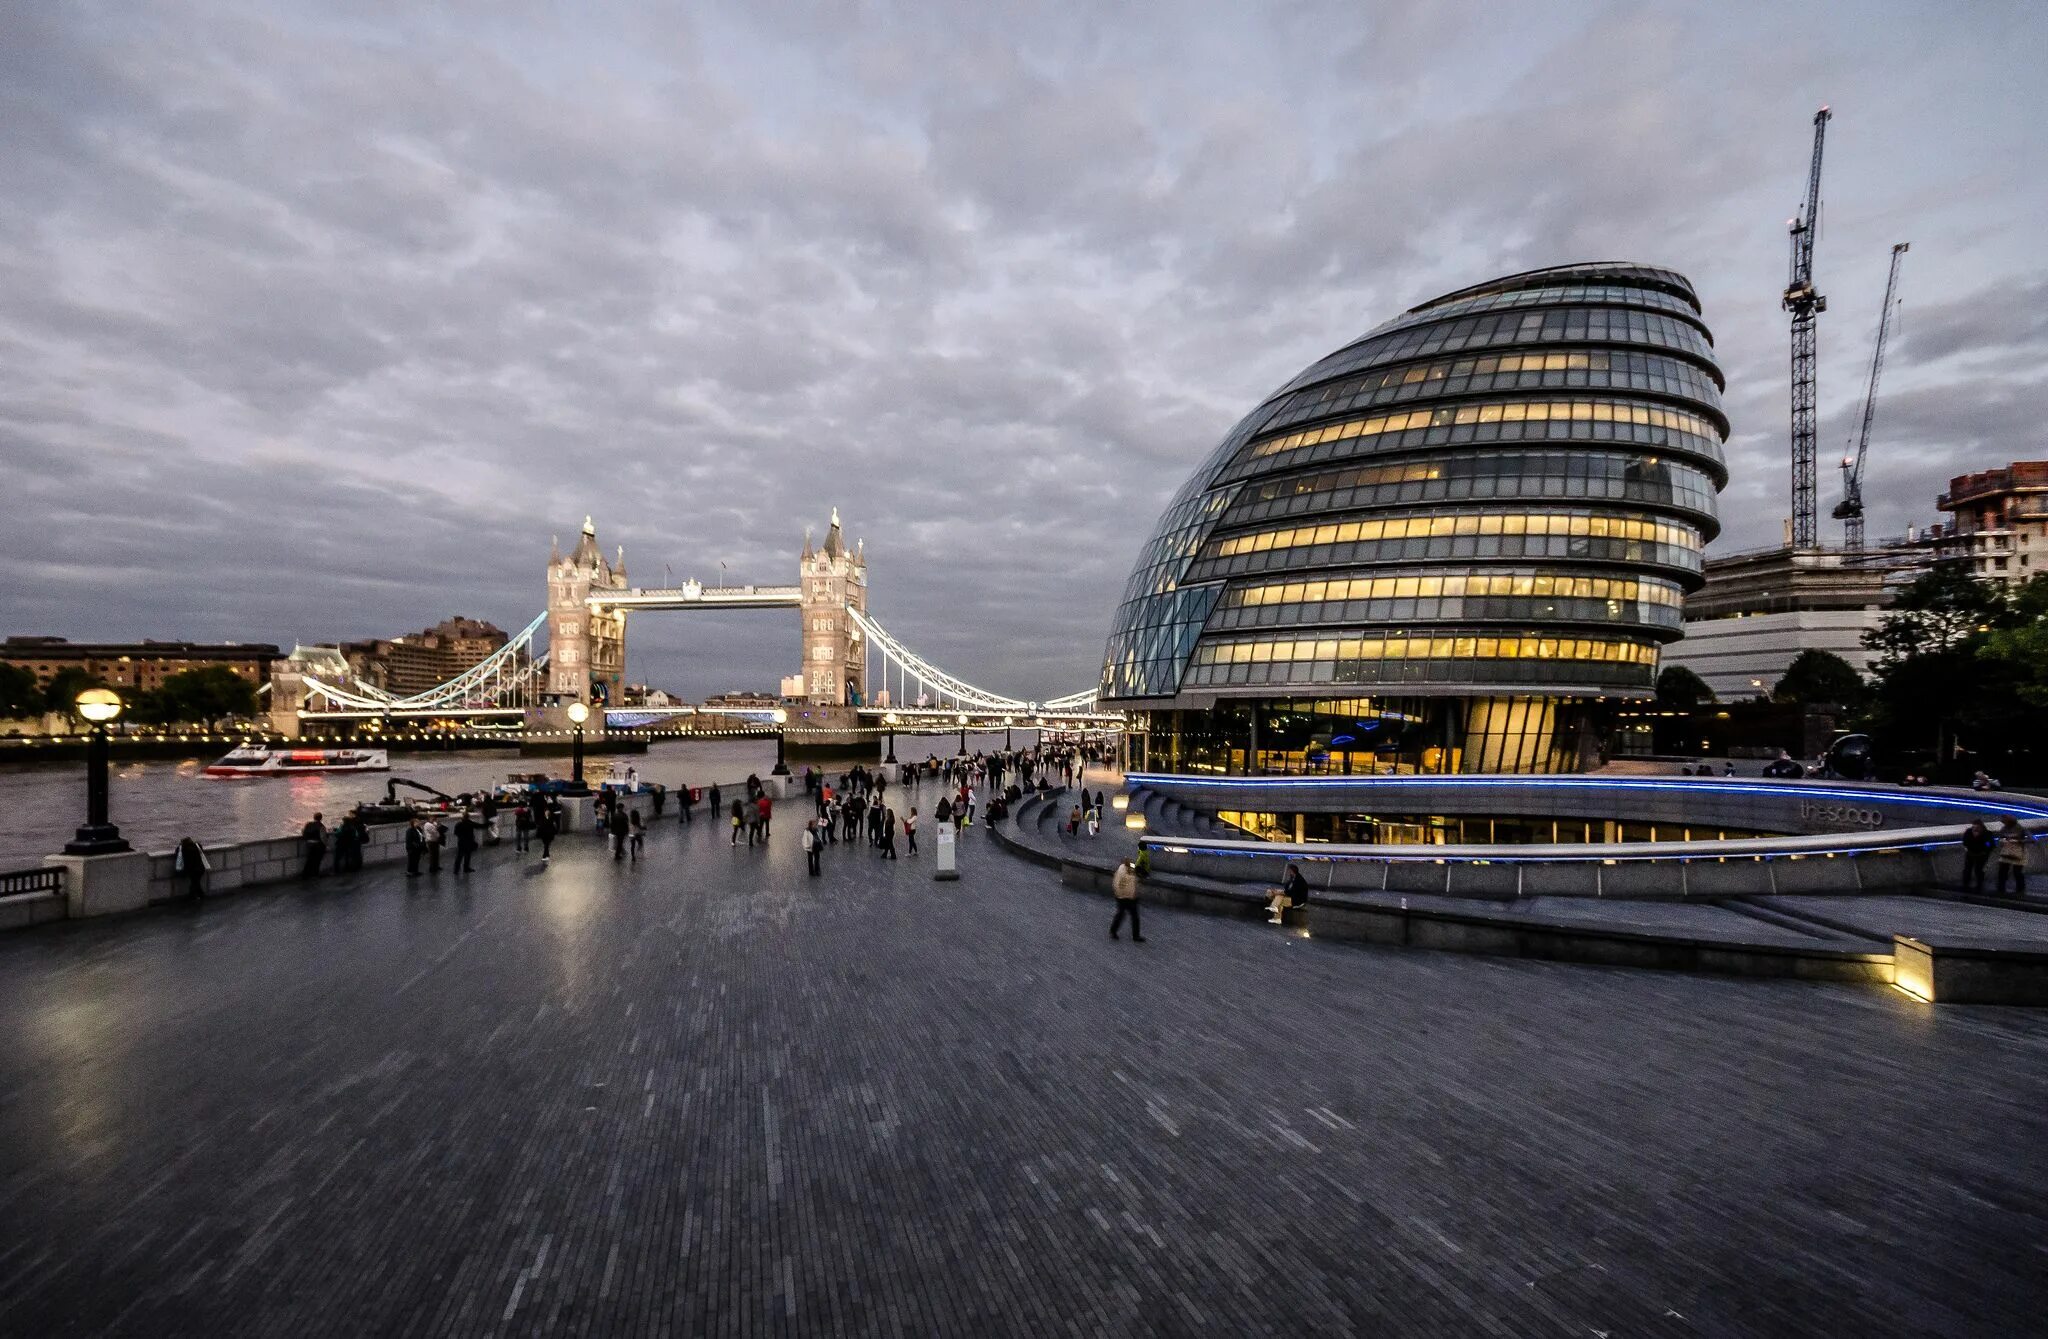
709 1095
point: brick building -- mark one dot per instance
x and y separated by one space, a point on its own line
2001 522
417 661
136 666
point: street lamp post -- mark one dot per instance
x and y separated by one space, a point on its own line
1007 745
963 734
98 836
890 721
578 714
781 766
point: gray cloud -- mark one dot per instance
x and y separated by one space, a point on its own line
320 329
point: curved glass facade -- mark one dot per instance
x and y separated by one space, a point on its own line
1492 505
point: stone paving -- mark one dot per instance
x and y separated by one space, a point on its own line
709 1095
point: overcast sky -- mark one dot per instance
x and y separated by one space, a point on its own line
317 328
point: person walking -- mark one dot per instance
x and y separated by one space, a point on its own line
888 832
1094 820
415 846
465 844
522 826
811 852
619 828
717 805
910 831
2012 857
314 838
973 798
191 865
547 826
637 837
660 799
684 800
435 840
1978 844
739 819
764 809
1125 887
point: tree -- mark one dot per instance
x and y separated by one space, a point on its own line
1682 690
20 694
1816 676
200 696
61 693
1943 609
2019 648
1961 677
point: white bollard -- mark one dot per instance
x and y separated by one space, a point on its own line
946 867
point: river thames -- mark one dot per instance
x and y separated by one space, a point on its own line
157 802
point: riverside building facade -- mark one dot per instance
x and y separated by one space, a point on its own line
1449 546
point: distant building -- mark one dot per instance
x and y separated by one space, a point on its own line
136 666
417 661
1759 610
2001 521
833 579
743 701
587 658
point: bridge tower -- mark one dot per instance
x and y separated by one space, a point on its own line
586 644
832 577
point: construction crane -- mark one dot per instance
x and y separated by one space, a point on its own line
1849 511
1805 305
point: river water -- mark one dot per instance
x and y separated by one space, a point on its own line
156 803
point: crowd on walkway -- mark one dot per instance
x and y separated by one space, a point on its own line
857 804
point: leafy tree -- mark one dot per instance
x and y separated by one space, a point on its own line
1816 676
20 695
2019 648
1943 609
61 693
1961 676
1682 690
200 696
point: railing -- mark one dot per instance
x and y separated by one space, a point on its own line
48 879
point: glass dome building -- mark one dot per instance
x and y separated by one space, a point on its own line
1449 546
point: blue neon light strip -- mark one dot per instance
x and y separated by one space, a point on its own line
1967 801
1606 853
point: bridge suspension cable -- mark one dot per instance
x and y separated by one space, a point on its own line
505 678
945 686
928 675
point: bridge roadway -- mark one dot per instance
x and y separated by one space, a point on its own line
708 1095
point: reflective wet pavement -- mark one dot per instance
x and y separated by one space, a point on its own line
709 1095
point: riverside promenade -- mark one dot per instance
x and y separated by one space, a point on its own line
706 1094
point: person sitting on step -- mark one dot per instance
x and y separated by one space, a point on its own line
1293 892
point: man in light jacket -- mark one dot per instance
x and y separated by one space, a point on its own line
1125 886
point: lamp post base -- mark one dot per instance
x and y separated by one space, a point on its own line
779 769
97 839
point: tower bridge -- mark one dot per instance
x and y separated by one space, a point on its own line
574 652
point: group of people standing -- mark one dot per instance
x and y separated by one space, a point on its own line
2008 844
348 838
857 804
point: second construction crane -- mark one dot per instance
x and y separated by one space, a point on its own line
1849 511
1805 304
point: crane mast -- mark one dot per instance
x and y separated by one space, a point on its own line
1805 304
1849 511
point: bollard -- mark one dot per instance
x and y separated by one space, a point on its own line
945 868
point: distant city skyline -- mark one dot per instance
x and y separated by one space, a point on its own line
312 329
